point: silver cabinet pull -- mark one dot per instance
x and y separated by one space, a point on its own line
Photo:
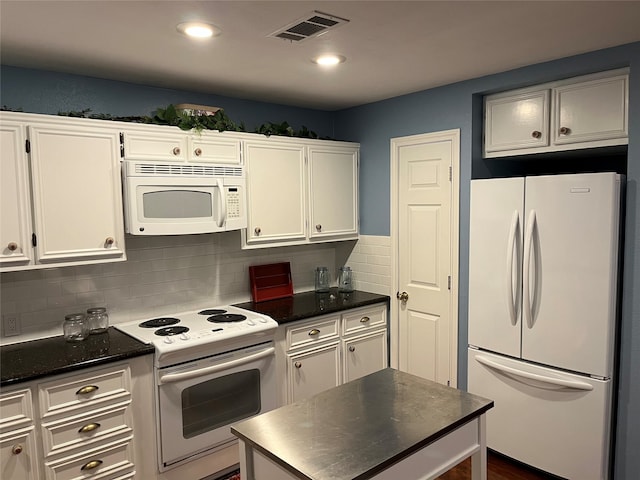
352 348
364 319
87 389
313 332
89 427
91 465
298 365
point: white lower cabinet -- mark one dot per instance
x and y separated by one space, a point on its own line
79 425
319 353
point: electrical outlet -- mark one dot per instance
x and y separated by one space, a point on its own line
10 324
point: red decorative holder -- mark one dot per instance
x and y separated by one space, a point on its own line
272 281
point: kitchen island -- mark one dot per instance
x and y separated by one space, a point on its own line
387 425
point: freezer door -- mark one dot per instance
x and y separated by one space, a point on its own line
495 249
552 420
570 271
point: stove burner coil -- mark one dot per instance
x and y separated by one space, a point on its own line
159 322
212 311
167 331
226 318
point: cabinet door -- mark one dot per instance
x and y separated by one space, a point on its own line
15 216
364 355
211 148
516 121
18 459
275 193
164 146
591 111
333 192
313 371
77 195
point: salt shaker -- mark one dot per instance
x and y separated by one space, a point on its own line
97 319
75 328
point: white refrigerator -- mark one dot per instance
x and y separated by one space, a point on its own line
543 275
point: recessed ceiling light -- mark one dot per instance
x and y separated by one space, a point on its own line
329 60
198 30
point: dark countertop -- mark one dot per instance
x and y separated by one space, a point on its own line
311 304
21 362
358 429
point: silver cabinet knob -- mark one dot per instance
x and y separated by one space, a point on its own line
13 246
198 152
403 297
565 130
17 449
318 227
109 241
536 134
176 150
352 348
298 365
257 230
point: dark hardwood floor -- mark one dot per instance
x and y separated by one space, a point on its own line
498 468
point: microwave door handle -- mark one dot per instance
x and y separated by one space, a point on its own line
176 377
223 203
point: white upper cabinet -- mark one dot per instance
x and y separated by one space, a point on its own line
333 192
161 143
69 210
582 112
300 191
15 218
276 192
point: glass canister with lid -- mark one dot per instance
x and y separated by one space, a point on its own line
97 320
75 327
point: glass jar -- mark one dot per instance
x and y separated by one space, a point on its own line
322 279
97 319
75 328
345 280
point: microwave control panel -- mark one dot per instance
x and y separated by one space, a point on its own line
233 203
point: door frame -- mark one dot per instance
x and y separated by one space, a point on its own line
454 137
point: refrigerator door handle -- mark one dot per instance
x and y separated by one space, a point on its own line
526 284
561 382
513 313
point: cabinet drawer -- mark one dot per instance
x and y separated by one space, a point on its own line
109 385
364 319
214 150
105 462
149 146
312 332
15 409
86 430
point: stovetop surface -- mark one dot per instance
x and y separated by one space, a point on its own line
216 329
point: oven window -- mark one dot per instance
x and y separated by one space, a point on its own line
177 204
220 401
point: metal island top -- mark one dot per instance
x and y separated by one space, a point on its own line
362 428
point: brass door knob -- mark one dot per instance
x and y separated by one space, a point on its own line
403 297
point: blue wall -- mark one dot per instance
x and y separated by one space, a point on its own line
453 106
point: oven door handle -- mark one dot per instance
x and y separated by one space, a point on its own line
176 377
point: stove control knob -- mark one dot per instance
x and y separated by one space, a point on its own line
184 336
251 323
168 340
263 320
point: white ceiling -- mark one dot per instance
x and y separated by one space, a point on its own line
392 47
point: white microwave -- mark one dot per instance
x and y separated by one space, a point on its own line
183 198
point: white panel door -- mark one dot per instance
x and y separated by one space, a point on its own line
333 192
275 193
570 293
424 257
77 193
495 251
15 216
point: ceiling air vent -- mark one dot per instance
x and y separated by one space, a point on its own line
309 26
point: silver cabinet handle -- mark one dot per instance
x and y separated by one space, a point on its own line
298 364
314 332
91 465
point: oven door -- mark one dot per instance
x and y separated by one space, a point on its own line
197 401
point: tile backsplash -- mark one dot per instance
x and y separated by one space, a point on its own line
169 274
